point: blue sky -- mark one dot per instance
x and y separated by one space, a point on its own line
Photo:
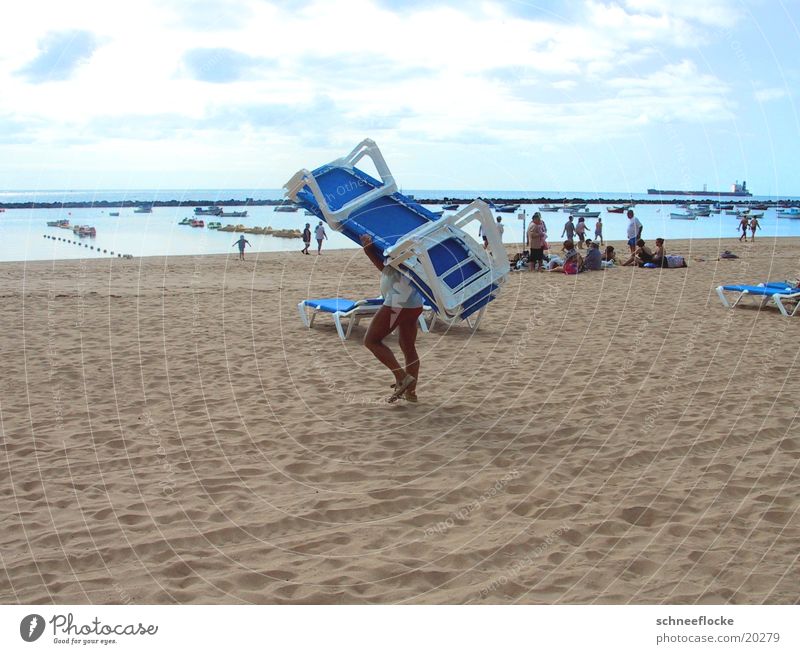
574 95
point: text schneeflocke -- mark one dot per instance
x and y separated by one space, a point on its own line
65 624
721 621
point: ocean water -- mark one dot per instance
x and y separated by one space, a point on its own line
23 231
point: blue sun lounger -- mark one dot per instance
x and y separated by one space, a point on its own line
771 292
341 308
455 274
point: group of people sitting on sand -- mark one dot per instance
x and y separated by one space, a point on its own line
572 262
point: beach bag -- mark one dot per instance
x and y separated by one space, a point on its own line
571 267
675 261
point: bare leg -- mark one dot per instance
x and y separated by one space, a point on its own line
408 339
383 324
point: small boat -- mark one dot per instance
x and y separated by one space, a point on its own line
574 207
682 216
113 213
731 212
186 221
585 214
616 209
198 222
58 223
438 214
790 212
84 230
450 207
214 225
286 208
144 208
232 214
760 207
549 207
702 213
210 211
508 208
725 207
308 213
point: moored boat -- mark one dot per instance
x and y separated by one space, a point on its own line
198 222
585 214
232 214
682 216
286 208
144 208
113 213
214 225
209 211
58 223
450 207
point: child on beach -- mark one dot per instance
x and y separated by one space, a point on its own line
572 260
241 243
580 230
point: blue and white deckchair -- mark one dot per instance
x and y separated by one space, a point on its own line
455 274
772 292
340 308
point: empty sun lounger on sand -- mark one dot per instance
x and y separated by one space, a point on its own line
772 292
455 274
340 308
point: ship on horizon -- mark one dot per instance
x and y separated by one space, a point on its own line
737 190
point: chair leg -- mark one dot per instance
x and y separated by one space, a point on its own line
422 324
337 320
301 308
722 297
352 322
780 306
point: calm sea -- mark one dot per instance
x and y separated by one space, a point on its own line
23 231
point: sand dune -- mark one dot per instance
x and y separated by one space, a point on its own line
171 433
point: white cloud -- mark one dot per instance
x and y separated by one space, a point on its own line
428 71
771 94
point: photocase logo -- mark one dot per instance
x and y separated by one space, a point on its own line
31 627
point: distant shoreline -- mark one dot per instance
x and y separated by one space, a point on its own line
250 202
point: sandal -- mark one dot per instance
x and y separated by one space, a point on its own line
400 389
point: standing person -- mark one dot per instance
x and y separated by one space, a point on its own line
402 306
598 231
580 230
241 243
754 225
569 229
744 223
306 238
536 241
500 227
319 232
634 231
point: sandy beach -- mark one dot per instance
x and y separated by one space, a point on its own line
171 433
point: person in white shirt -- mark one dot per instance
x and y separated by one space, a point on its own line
402 306
320 234
634 231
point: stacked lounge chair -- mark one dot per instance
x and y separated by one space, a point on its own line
455 274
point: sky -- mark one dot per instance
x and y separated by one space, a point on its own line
589 95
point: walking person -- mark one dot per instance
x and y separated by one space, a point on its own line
569 229
634 231
402 306
306 238
241 243
580 231
320 234
598 231
744 223
754 225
